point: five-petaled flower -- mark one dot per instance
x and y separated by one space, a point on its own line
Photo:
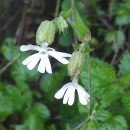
68 92
43 56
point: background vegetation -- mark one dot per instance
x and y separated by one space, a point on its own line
27 97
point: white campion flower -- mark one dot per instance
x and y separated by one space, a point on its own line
68 93
43 56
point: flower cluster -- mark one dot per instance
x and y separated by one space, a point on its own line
44 37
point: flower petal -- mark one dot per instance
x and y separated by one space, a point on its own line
72 97
61 92
33 62
61 54
31 58
82 95
48 65
30 47
41 67
69 95
59 58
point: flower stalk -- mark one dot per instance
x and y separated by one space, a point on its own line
74 18
89 81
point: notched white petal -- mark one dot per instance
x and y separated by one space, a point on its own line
30 47
48 65
41 67
61 54
83 95
69 96
58 57
61 92
30 58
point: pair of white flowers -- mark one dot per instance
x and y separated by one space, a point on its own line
42 56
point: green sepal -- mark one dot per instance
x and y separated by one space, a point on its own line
66 14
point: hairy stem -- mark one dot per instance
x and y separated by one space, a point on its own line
57 8
89 82
74 18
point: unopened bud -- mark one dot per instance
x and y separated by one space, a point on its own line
46 32
75 64
61 24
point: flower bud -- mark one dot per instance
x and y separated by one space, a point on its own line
62 24
75 64
46 32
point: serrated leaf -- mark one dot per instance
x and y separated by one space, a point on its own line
125 79
34 117
103 78
124 64
126 101
102 74
118 123
11 99
101 115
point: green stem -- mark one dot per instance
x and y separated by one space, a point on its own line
57 8
89 82
74 18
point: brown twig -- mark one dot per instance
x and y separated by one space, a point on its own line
9 63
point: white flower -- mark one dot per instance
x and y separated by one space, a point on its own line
43 56
68 92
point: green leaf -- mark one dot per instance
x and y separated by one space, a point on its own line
126 101
83 108
34 117
125 79
102 74
117 39
21 73
110 37
20 127
68 127
51 83
103 82
51 127
101 115
124 65
66 14
118 123
2 127
82 31
9 49
122 13
11 99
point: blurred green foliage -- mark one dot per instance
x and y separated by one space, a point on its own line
27 97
